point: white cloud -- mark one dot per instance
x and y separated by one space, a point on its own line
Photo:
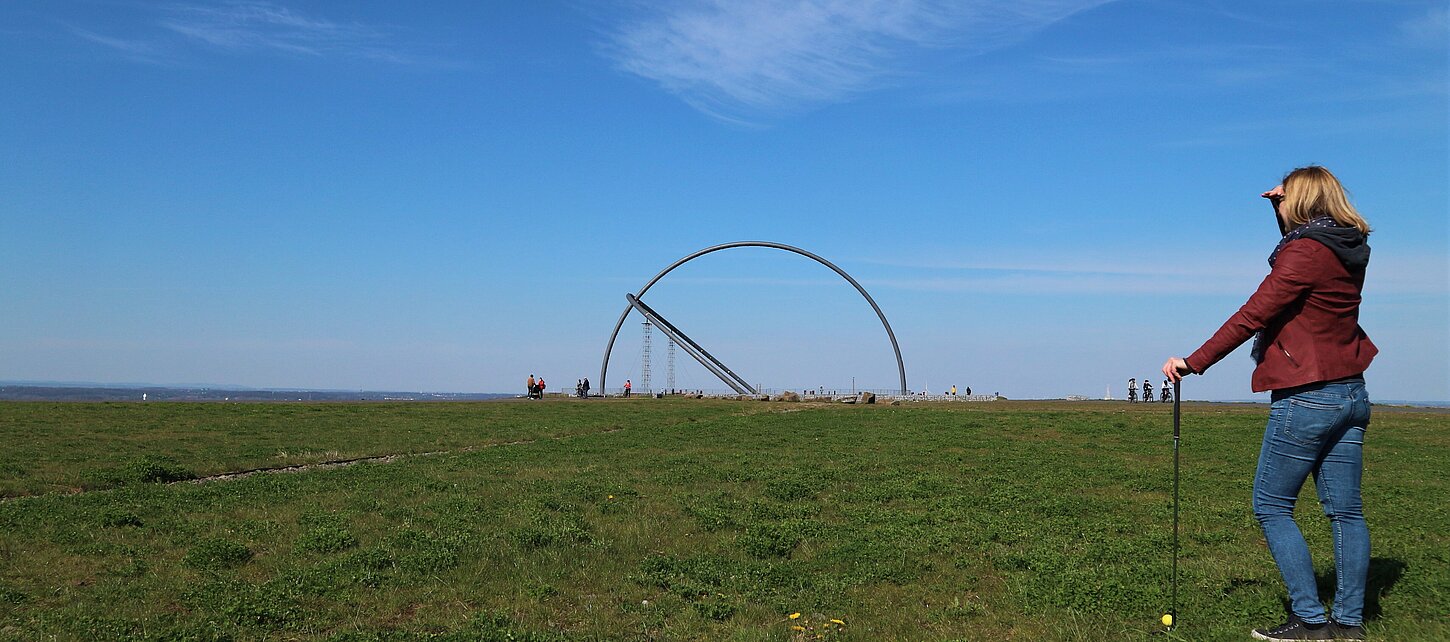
1225 274
736 58
264 26
138 50
1430 29
173 31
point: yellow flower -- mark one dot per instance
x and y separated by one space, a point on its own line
798 628
795 616
839 622
611 497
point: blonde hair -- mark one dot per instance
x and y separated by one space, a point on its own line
1311 192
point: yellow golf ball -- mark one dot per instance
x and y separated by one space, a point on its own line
1167 619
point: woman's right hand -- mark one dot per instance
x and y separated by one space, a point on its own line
1174 368
1276 196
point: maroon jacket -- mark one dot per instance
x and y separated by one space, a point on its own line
1308 308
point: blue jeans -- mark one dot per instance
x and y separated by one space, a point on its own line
1316 429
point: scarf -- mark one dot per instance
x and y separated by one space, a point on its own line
1257 352
1319 221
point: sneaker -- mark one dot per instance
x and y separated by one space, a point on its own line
1347 631
1296 629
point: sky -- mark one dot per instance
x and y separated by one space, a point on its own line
1045 197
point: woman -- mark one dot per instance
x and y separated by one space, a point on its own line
1311 353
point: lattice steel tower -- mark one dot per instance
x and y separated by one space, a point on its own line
670 366
644 356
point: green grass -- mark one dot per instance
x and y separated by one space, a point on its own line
677 520
69 447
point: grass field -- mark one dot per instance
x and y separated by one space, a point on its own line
677 520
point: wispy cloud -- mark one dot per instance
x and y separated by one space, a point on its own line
1121 263
736 280
137 50
1227 274
171 32
1430 29
1074 275
1217 275
1401 117
1048 284
260 26
735 59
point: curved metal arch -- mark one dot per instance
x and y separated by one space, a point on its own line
900 368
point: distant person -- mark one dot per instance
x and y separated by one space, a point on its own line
1311 354
541 387
586 386
533 387
954 390
1147 391
969 391
1132 389
1167 392
579 388
627 387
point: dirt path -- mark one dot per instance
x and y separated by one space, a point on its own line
330 464
372 459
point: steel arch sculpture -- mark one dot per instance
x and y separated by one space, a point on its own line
900 368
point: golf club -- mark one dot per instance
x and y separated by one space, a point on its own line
1173 602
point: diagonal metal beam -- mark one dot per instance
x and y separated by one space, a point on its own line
691 348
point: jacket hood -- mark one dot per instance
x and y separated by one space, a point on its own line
1347 243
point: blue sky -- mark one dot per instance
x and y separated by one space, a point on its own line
1046 197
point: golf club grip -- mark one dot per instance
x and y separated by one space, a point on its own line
1177 396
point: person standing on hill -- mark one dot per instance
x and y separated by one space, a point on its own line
541 387
627 387
1311 354
586 387
533 387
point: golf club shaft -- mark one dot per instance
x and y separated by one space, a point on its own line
1177 396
